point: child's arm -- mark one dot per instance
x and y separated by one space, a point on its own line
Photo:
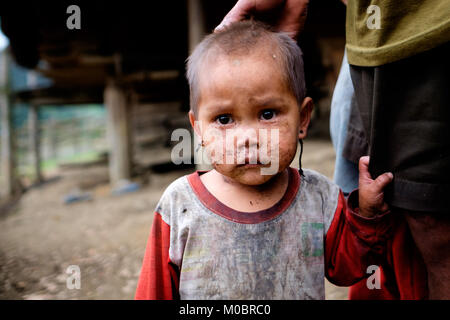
159 277
361 225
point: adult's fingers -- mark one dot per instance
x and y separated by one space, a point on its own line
239 12
382 181
243 9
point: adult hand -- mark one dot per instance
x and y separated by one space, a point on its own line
371 196
284 15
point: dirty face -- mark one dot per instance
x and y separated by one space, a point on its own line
247 117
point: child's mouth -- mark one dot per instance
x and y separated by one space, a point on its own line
250 163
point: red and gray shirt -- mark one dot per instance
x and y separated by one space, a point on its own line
201 249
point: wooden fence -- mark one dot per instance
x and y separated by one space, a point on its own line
60 141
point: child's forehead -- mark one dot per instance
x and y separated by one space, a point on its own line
250 72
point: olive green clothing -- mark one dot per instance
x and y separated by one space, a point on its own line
407 27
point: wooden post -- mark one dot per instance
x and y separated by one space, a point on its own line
53 138
34 140
118 132
7 159
77 132
196 22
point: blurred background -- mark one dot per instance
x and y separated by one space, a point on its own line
87 112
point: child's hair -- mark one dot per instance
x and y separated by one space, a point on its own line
241 38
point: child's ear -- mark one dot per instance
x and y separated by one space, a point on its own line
305 116
194 123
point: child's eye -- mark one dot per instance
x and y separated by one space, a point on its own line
224 119
267 114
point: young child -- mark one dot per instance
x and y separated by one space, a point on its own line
236 233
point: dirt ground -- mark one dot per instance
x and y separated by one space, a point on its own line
106 236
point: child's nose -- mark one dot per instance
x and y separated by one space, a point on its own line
247 137
250 143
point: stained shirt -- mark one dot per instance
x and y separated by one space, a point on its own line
199 248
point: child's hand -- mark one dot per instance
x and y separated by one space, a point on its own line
371 197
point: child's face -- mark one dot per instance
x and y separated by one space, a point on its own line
243 97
